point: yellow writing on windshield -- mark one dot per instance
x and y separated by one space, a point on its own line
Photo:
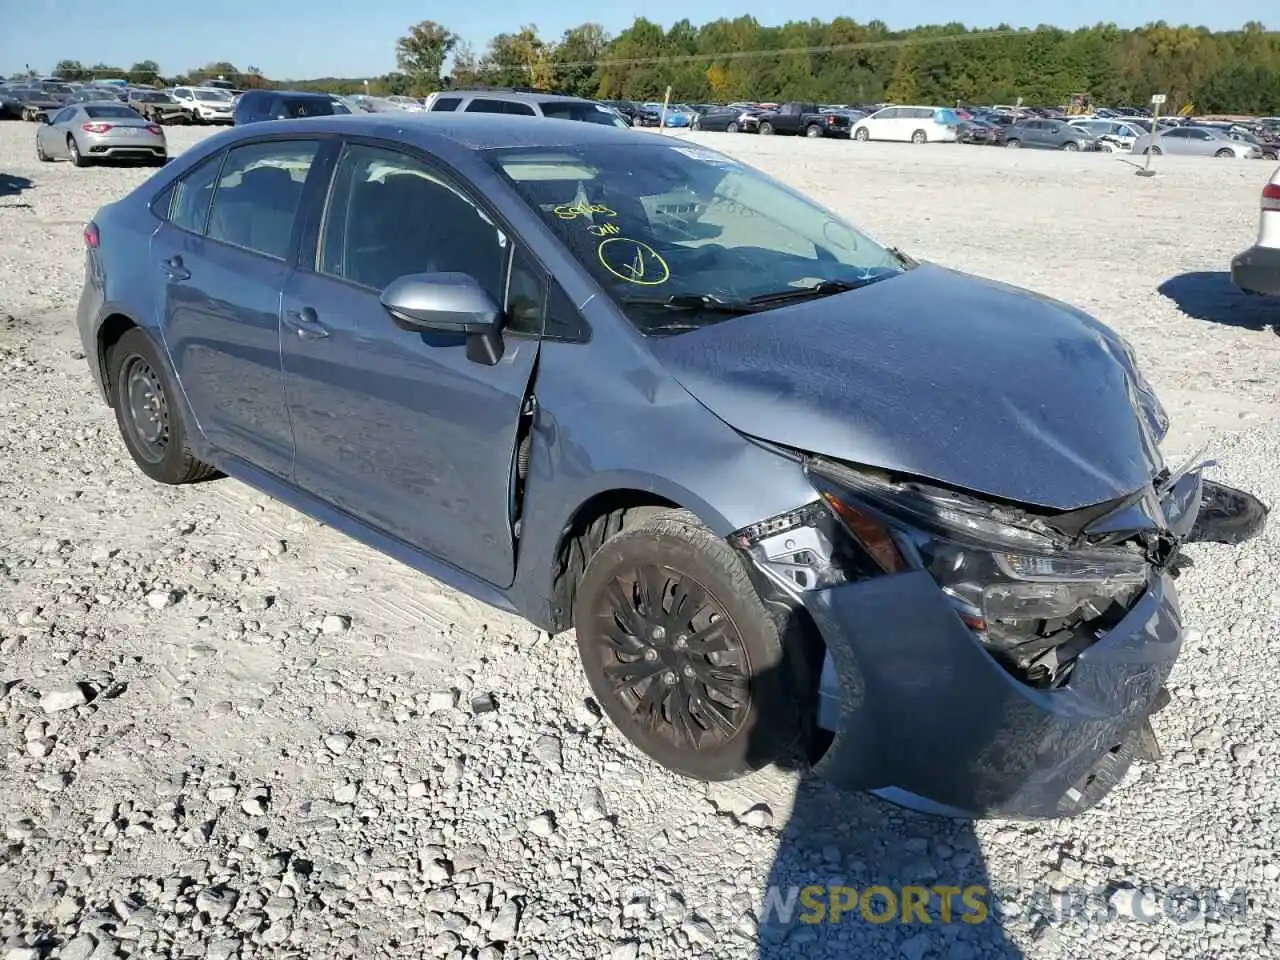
604 230
633 261
571 211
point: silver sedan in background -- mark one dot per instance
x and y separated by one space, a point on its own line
85 132
1196 142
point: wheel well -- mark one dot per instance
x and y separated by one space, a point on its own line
594 522
109 334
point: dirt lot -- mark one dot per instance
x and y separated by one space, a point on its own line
280 757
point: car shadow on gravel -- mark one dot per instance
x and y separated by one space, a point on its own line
12 185
858 877
1210 295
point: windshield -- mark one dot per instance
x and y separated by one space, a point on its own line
577 110
106 112
152 97
215 96
682 237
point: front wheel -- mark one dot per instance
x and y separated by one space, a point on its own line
1013 144
766 128
1225 154
919 137
681 653
147 413
1154 151
40 154
1071 146
813 130
731 128
862 135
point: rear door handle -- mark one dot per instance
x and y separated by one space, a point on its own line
174 269
305 324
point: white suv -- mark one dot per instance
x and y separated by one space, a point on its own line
521 104
205 104
1257 270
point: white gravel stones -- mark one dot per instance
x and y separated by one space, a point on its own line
235 777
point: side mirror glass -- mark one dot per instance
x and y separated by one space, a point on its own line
448 303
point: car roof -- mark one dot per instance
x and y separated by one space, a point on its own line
473 131
303 94
514 95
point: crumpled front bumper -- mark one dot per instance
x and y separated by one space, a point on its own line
929 719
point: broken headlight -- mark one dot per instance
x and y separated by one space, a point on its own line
1032 598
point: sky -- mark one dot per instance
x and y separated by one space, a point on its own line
299 39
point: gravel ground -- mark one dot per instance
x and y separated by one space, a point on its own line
226 731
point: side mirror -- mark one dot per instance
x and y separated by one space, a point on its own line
46 119
448 303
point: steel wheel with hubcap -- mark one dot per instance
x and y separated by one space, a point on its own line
862 135
148 408
731 127
681 652
1225 154
919 137
766 128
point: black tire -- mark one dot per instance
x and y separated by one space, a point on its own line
40 154
73 151
766 128
813 130
617 636
863 135
139 377
1071 146
1013 143
1225 154
731 127
919 137
1154 151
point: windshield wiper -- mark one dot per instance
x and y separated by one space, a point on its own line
824 288
693 301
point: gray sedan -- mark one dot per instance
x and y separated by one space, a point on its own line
1049 135
85 132
1197 142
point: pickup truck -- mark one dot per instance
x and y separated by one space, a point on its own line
803 119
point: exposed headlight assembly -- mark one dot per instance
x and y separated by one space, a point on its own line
1030 596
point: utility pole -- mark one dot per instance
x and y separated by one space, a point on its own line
1156 100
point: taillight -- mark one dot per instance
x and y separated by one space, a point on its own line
154 128
1271 196
91 235
95 127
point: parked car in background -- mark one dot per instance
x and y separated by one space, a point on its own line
1049 134
980 132
728 120
1196 142
410 104
909 125
802 119
205 104
517 103
156 105
956 530
1257 270
29 103
1268 146
1116 136
86 132
255 106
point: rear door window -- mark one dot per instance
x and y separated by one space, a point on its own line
258 193
190 209
485 105
446 103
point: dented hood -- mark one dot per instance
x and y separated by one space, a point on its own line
934 373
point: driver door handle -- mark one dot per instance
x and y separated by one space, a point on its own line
305 324
174 269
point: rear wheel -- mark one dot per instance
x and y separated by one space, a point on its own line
1013 143
40 154
766 128
150 421
1225 154
813 130
1071 146
1154 151
681 652
731 127
862 135
73 151
919 137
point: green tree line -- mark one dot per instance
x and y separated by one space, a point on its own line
1236 71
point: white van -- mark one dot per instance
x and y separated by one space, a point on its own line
909 125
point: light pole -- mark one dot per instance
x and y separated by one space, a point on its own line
1156 100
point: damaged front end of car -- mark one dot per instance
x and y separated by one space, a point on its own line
985 658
